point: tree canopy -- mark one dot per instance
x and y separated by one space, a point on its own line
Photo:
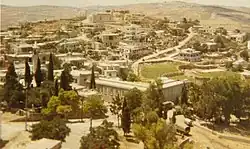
55 129
101 137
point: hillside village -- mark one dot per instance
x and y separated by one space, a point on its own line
112 53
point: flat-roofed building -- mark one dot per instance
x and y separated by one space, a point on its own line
190 55
110 39
101 17
113 87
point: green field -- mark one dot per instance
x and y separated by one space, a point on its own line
154 71
218 73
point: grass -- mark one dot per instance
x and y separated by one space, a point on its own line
182 77
156 70
218 73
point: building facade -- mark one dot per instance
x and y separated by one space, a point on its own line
101 17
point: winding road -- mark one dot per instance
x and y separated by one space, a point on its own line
135 65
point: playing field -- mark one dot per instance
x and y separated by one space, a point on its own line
153 71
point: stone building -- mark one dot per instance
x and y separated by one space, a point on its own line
112 87
101 17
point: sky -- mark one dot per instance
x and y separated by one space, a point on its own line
82 3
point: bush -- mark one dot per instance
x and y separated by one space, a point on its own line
55 129
101 137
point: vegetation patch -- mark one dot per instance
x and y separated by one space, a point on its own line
218 74
156 70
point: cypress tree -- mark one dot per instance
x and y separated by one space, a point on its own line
92 80
64 82
27 77
125 119
184 95
38 73
12 88
50 68
56 87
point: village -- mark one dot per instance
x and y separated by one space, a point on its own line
119 51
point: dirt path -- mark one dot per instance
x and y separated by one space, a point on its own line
205 139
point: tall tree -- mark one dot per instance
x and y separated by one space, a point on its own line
12 88
101 137
116 107
92 80
51 68
27 77
184 95
64 81
125 119
38 73
56 87
94 108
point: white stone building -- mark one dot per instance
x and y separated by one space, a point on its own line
101 17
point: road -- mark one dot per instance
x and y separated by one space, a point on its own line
135 65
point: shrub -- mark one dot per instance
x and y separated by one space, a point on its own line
55 129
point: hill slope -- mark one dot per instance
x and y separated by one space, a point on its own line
14 15
229 17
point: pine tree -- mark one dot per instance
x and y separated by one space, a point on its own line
38 73
50 68
56 87
125 119
27 77
92 81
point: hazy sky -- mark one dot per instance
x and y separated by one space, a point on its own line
81 3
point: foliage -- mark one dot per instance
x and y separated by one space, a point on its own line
38 73
184 94
229 65
133 77
51 68
55 129
244 54
13 94
123 74
157 135
27 76
155 97
221 30
134 99
94 108
64 81
126 118
116 106
101 137
219 98
56 88
67 102
92 80
218 39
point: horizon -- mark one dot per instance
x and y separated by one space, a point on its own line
86 3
